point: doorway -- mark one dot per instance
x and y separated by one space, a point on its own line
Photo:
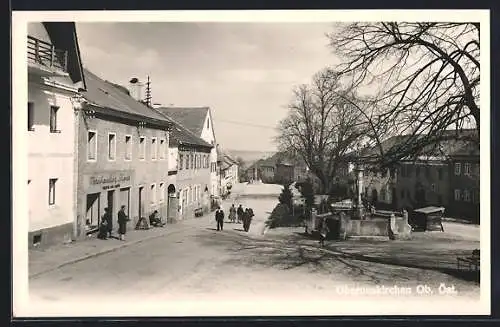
93 210
125 199
141 201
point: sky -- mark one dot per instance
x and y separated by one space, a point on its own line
244 71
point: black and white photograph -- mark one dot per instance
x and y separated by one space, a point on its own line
256 163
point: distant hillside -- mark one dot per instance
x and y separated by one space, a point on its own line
249 156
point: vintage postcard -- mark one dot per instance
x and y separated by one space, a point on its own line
251 163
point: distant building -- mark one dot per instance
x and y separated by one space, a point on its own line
228 172
55 75
444 175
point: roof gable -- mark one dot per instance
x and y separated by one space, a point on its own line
192 118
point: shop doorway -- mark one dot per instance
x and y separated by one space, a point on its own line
93 209
125 199
111 199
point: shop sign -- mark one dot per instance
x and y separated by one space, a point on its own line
110 180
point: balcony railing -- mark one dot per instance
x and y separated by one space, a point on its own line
45 54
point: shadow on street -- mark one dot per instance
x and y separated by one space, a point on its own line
361 259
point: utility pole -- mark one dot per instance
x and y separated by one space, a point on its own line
147 99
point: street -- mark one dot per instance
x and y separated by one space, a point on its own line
200 262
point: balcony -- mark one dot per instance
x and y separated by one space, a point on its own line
44 59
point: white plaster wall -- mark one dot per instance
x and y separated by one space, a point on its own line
50 155
207 135
173 155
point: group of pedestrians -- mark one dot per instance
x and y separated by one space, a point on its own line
106 226
236 215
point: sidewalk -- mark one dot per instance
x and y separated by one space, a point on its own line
41 261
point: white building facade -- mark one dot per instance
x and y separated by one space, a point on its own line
52 93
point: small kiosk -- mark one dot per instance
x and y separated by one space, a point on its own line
428 219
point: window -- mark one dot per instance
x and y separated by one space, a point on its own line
31 116
154 148
457 168
433 187
187 161
162 192
427 172
128 147
467 169
417 171
163 152
53 119
142 147
181 161
192 161
91 145
208 123
52 191
466 195
153 193
457 195
111 146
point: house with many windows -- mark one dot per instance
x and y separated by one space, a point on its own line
446 174
193 169
199 122
54 79
123 157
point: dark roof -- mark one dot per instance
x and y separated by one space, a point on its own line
193 118
63 36
107 95
113 96
451 143
180 134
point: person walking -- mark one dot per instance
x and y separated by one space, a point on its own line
232 214
247 219
219 217
240 212
122 223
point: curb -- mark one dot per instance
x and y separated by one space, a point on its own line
101 252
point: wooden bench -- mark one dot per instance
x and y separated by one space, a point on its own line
472 263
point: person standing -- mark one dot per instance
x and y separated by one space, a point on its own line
109 221
323 232
232 213
219 217
240 212
122 223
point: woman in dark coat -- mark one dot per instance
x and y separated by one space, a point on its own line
122 223
109 221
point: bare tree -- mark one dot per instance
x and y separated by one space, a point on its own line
428 75
322 126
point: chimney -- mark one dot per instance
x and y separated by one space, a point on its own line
135 88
